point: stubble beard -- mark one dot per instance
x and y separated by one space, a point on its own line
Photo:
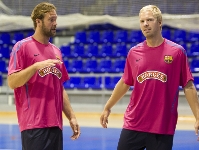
47 33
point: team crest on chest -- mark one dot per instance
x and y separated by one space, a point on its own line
168 59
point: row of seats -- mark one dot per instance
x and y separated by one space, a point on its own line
134 36
97 83
110 50
98 66
94 66
94 50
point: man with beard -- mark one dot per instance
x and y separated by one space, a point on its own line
156 68
36 73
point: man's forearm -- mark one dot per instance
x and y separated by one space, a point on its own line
67 109
192 98
18 79
119 91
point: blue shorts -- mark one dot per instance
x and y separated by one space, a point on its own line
135 140
42 139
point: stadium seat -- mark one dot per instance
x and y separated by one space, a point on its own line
118 66
5 38
17 37
78 51
106 50
193 36
136 36
93 37
89 66
110 82
3 66
73 82
120 50
80 37
107 36
166 33
196 82
194 65
75 66
5 52
66 51
66 63
104 66
121 36
194 50
92 83
93 50
179 36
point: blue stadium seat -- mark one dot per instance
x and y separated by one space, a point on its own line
17 37
121 36
196 82
120 50
93 37
166 33
106 50
194 50
110 82
93 50
5 38
29 33
92 83
66 63
103 66
135 36
118 66
73 82
75 66
193 36
107 36
5 52
179 36
80 37
194 65
66 51
78 51
3 66
89 66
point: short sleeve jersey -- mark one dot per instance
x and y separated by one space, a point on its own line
39 102
156 74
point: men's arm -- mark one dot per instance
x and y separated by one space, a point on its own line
19 78
192 98
69 113
119 91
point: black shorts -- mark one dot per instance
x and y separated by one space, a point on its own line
135 140
42 139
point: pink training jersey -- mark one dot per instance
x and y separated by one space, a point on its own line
156 74
39 102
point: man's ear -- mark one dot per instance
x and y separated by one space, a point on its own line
38 21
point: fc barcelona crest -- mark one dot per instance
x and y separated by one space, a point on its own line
168 59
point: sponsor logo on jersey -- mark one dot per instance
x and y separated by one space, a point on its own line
53 70
168 59
152 75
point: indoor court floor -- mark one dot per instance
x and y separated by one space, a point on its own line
93 136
